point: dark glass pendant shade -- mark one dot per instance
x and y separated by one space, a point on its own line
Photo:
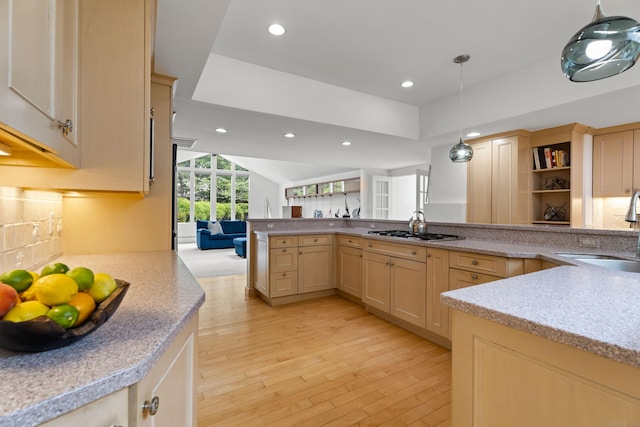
605 47
461 152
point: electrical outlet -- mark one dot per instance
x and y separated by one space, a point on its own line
269 225
372 225
589 242
35 232
332 224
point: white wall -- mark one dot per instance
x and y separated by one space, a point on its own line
448 189
403 196
261 190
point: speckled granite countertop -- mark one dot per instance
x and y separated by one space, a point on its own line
588 307
162 298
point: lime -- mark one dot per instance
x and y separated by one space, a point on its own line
83 277
103 286
20 280
85 305
55 289
26 311
55 268
64 315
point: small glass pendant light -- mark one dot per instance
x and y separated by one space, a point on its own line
605 47
461 152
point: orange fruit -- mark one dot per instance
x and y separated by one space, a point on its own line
55 289
103 286
64 315
83 277
85 305
26 311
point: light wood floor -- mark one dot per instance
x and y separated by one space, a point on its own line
324 362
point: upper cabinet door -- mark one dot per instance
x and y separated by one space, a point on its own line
38 69
613 166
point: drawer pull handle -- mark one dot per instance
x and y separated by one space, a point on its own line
370 245
151 407
475 262
315 240
474 277
284 250
349 241
391 264
284 242
414 253
284 274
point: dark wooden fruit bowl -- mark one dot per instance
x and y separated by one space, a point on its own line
42 333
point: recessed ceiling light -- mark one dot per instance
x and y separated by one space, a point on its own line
276 29
289 135
407 83
345 143
473 134
221 130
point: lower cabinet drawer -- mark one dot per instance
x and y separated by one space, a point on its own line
315 239
486 264
461 278
283 259
283 284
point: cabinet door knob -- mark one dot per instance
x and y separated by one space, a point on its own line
414 253
370 245
315 240
474 262
284 250
151 407
474 277
284 274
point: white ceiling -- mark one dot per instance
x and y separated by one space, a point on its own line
335 75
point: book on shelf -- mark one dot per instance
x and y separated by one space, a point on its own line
549 158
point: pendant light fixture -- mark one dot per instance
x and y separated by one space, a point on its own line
461 152
605 47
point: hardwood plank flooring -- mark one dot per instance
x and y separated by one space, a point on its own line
325 362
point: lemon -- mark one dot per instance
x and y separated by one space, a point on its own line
83 277
20 280
64 315
30 293
55 268
85 305
35 275
55 289
26 311
103 286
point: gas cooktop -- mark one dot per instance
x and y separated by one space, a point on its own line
407 234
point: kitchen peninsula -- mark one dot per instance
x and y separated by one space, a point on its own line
146 349
556 341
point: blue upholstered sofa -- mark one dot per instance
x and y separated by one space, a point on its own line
207 238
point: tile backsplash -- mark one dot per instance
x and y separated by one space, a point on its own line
30 228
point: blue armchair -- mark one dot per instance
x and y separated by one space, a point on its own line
206 239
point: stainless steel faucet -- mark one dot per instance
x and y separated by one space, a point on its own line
632 217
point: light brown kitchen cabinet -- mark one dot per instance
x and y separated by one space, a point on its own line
114 80
464 269
494 181
170 383
395 280
38 68
111 410
289 266
349 265
616 163
500 373
315 268
437 283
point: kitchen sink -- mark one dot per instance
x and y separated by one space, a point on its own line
607 261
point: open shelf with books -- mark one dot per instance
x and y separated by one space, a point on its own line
551 184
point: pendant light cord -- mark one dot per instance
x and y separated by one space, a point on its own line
460 116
